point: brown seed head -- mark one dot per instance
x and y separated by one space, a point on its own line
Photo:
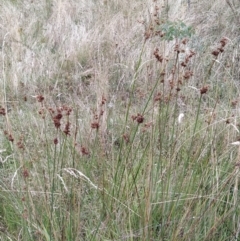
103 100
57 120
55 141
183 64
51 110
171 84
41 112
223 41
221 49
228 121
177 48
234 103
203 90
188 74
58 116
178 89
94 125
67 128
84 151
215 52
2 111
139 118
57 123
40 98
25 173
20 144
184 41
10 137
191 54
157 55
158 97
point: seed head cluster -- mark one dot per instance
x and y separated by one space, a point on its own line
158 56
57 114
2 111
138 118
97 116
20 143
203 90
25 173
85 151
55 141
220 48
9 136
57 120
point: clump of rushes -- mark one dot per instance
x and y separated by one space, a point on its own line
161 163
61 118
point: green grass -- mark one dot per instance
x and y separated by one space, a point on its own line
119 121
